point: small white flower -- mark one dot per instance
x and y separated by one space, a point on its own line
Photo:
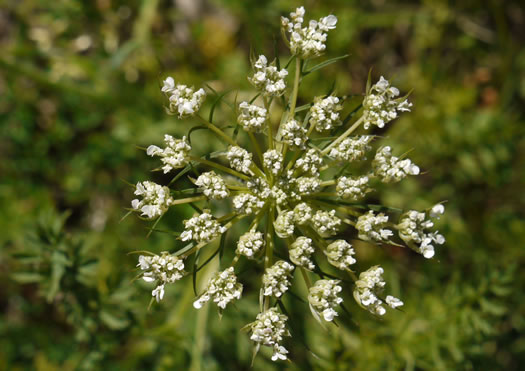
247 204
164 269
326 223
276 279
156 199
240 159
302 213
250 243
202 228
300 252
222 288
381 106
269 329
324 297
340 254
184 100
368 288
252 118
371 227
307 42
352 188
284 224
307 185
273 161
310 162
174 156
212 185
414 227
393 302
324 114
351 149
267 78
390 168
294 134
437 211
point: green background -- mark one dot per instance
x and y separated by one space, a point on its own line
79 91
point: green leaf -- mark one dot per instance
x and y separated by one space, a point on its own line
324 64
27 277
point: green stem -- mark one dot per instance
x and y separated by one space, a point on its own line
343 136
220 167
269 124
268 257
306 278
188 200
217 131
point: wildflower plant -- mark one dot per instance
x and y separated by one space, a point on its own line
297 182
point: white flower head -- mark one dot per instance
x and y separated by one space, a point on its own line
372 227
222 288
212 185
381 106
310 41
250 244
353 188
174 156
326 223
294 134
324 297
369 287
156 199
414 227
300 252
184 100
391 169
351 149
273 161
310 162
267 78
284 224
276 279
202 228
324 114
302 213
251 117
340 254
163 269
240 159
269 329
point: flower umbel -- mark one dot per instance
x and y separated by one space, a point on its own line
281 192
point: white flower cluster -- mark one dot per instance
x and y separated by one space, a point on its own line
268 329
300 252
307 185
284 224
302 213
222 288
307 42
353 188
326 223
174 155
390 168
351 149
212 185
247 204
325 113
367 288
252 118
276 279
240 159
340 254
163 268
324 297
294 134
273 161
310 162
381 106
155 201
413 227
202 228
371 227
267 78
184 100
250 243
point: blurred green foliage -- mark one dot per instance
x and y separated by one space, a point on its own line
79 90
